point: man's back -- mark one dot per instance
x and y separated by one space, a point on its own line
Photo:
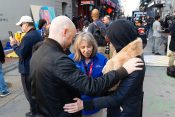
50 91
94 28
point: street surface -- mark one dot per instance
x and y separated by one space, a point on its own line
159 97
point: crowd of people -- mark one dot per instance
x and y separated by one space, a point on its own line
58 83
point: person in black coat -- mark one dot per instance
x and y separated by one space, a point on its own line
3 86
141 32
172 44
55 78
2 55
127 100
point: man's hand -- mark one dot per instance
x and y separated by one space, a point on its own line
74 107
133 64
12 41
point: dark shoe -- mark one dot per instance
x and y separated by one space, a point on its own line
29 114
153 52
4 94
36 115
157 53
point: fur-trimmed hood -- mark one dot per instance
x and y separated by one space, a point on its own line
133 49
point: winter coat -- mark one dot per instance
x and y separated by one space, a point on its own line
129 93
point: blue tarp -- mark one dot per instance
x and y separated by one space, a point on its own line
8 46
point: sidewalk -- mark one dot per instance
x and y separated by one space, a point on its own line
10 64
13 78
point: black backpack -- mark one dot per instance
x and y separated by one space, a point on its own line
171 71
99 35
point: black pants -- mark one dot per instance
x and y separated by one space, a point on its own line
26 83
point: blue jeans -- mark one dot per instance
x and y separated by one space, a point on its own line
3 85
156 44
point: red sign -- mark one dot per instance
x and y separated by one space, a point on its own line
87 2
109 10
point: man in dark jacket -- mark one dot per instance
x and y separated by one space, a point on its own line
3 86
127 100
98 30
141 32
172 44
24 51
55 78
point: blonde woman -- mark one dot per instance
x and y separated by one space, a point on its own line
89 61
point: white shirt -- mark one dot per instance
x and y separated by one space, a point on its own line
156 29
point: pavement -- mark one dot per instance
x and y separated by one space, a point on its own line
159 96
10 64
15 104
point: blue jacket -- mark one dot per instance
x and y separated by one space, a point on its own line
24 50
129 96
99 61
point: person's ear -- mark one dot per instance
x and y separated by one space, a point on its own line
65 31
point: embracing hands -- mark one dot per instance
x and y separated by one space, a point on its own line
133 64
74 107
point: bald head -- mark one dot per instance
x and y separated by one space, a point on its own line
95 14
62 29
106 19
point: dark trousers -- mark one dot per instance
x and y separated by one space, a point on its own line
26 83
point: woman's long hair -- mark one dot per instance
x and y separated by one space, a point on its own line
84 36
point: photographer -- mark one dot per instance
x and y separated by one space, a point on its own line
24 51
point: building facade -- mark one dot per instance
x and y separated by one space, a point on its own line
12 10
158 7
64 7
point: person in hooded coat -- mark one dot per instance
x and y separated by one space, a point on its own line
127 100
